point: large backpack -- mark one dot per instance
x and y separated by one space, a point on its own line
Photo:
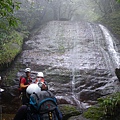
43 107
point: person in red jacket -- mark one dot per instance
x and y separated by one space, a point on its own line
24 83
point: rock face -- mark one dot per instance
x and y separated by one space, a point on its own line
77 58
76 61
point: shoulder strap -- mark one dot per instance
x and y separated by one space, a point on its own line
49 93
36 95
26 80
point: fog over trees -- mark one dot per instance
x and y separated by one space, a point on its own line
33 13
41 11
37 12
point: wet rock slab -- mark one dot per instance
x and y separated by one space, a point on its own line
75 60
75 65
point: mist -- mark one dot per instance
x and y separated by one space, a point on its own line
38 12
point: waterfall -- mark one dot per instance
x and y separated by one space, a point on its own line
106 45
74 57
112 49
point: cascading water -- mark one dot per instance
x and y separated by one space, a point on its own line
74 58
112 49
106 45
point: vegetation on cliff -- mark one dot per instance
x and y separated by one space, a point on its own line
112 21
108 108
10 47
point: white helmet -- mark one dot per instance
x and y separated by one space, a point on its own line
40 74
32 88
27 70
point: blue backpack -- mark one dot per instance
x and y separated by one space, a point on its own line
43 107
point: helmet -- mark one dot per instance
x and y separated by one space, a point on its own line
27 70
40 74
32 88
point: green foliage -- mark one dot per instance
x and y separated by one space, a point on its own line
110 104
107 109
113 22
7 8
118 0
94 113
68 111
10 46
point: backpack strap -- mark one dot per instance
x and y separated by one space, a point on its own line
27 80
36 95
50 94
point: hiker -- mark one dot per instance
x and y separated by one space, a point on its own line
40 77
24 83
41 81
41 105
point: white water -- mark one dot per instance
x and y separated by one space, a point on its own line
75 57
112 49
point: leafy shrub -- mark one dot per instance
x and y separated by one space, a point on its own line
11 45
108 108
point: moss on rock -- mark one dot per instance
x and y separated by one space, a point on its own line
69 110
